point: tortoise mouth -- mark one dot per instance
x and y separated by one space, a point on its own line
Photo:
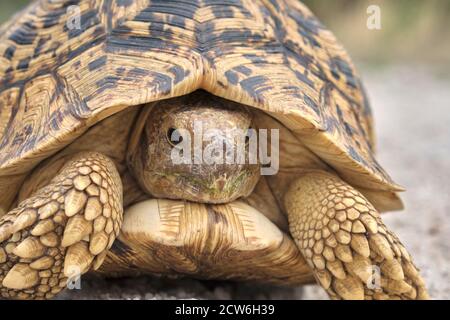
216 188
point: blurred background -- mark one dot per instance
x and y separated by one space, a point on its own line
405 66
412 31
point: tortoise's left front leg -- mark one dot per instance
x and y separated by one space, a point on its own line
352 253
63 230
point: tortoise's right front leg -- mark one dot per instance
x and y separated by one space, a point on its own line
351 251
63 229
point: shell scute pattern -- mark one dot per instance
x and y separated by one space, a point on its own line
274 55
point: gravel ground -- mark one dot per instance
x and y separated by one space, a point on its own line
412 113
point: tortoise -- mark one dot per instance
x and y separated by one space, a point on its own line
93 98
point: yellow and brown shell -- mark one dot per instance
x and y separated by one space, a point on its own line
65 65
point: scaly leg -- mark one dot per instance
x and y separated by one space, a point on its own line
63 229
342 236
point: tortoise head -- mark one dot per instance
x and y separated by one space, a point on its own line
195 148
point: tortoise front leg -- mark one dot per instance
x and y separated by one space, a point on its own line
63 229
342 236
226 241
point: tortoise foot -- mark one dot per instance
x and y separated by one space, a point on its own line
61 231
342 236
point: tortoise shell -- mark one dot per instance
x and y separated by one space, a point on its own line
65 65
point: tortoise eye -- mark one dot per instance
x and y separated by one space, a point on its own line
174 137
249 134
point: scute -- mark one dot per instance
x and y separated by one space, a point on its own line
57 80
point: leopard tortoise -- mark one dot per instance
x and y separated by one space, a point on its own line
92 96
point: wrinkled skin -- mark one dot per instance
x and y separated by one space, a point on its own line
204 182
